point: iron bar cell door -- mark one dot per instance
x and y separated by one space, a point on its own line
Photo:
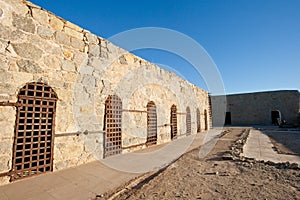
173 122
113 126
205 120
198 121
34 131
188 121
151 124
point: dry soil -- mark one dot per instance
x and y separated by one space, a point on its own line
214 178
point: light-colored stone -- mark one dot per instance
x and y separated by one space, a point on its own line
45 32
20 78
69 77
73 26
56 23
91 38
40 15
4 145
28 67
27 50
3 65
52 62
4 164
62 38
5 77
68 66
4 97
78 44
89 82
23 23
84 70
94 50
73 33
19 7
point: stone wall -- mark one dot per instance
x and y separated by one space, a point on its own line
256 108
83 69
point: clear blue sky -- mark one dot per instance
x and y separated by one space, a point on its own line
254 43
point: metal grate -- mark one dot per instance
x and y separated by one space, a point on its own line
113 126
34 131
198 121
173 122
151 124
188 121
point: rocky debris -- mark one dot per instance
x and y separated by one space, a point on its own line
237 147
224 133
194 178
236 154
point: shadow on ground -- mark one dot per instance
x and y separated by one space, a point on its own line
285 141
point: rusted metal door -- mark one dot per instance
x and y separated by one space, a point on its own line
173 122
34 131
198 121
188 121
151 124
113 126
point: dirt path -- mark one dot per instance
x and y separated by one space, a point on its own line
215 178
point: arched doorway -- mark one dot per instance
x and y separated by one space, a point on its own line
198 121
151 124
276 117
205 120
113 126
188 121
34 131
173 122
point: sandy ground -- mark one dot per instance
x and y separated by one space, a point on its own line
214 178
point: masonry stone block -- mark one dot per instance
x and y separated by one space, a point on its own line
62 38
77 44
5 163
83 70
94 50
27 50
3 65
68 65
40 15
28 66
91 38
56 23
73 33
73 26
53 61
45 32
23 23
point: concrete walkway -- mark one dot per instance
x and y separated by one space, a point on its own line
88 180
259 146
